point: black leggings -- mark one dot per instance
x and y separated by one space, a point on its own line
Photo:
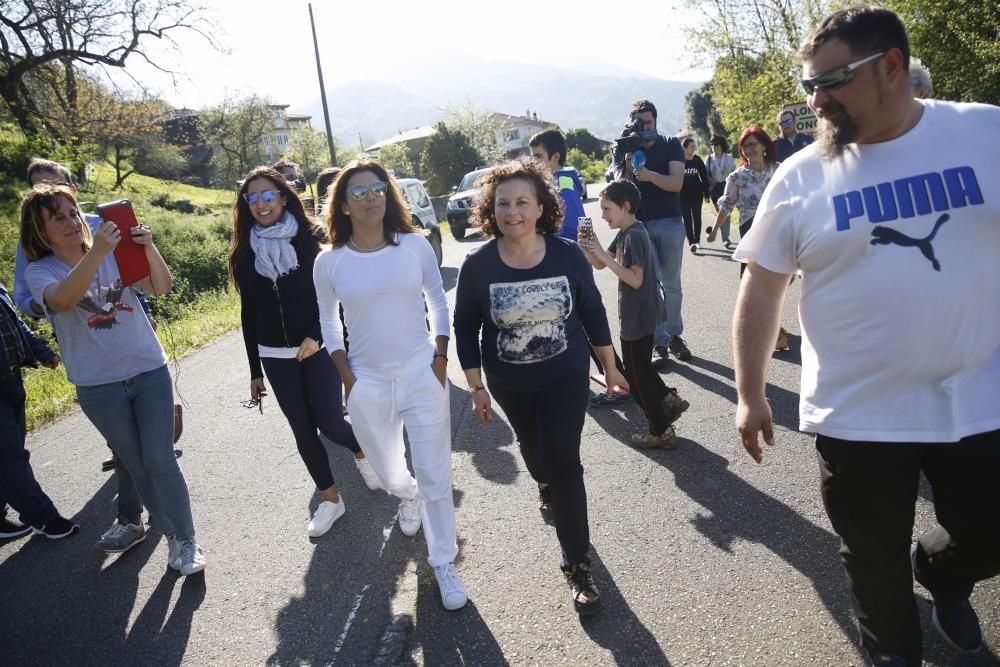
691 212
548 422
648 389
309 395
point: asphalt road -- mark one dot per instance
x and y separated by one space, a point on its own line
703 556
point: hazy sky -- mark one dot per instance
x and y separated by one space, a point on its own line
268 44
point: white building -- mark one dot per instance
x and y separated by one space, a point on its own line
276 141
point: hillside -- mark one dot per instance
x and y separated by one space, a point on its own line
600 103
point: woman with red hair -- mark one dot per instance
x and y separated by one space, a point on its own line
744 188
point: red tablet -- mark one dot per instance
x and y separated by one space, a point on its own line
129 255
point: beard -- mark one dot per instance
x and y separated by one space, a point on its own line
835 131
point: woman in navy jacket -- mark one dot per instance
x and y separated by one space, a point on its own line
275 243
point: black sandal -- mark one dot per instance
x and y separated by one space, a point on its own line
581 582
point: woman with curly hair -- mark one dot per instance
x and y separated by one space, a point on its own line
532 294
381 270
271 263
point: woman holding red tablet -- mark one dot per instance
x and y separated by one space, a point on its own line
111 353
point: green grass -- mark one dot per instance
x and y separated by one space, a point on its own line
141 189
214 314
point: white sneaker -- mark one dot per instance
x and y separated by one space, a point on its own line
368 474
173 553
192 558
325 515
453 595
409 517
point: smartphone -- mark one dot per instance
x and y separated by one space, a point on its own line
129 255
586 226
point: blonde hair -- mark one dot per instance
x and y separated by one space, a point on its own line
45 197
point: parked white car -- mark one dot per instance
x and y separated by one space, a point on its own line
423 211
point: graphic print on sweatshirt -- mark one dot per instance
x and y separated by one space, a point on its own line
105 307
531 318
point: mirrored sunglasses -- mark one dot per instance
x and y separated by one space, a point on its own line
268 196
786 122
360 192
837 77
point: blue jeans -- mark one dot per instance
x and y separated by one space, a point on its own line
136 417
668 236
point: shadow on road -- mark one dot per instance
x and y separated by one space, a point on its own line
353 575
492 447
616 628
739 511
449 276
784 403
61 595
451 638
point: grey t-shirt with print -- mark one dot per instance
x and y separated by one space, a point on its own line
104 338
640 310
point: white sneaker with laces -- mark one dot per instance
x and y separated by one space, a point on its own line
192 558
368 474
409 517
325 515
453 595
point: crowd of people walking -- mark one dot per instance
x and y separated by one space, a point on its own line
343 311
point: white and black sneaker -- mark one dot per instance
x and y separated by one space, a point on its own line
10 529
56 529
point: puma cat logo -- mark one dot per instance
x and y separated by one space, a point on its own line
886 236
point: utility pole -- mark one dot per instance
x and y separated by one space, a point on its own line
322 92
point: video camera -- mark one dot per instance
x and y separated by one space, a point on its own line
633 137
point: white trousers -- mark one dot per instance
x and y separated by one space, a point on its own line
379 408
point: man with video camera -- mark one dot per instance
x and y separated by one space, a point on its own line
656 164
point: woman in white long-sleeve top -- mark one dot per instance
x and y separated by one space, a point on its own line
381 271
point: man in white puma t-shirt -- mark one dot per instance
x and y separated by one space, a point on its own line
895 226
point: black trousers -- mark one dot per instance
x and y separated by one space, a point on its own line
870 492
18 486
548 422
648 389
691 212
309 395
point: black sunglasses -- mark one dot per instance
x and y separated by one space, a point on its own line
836 77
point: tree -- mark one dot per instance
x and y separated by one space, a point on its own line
959 42
127 133
309 150
582 140
40 38
479 126
752 44
397 158
700 115
750 90
448 155
235 128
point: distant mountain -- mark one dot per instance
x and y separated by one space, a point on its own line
562 95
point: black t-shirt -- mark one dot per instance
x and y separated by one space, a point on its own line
535 322
695 179
656 202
